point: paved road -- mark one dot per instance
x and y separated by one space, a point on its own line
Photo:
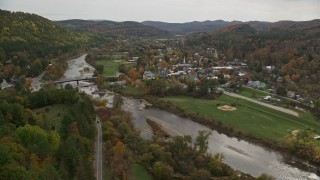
99 151
284 110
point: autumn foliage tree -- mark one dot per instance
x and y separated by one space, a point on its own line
122 161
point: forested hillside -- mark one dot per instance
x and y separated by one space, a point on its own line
28 41
45 135
210 26
191 27
115 29
294 52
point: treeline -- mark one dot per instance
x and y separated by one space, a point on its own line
46 97
178 158
28 42
33 148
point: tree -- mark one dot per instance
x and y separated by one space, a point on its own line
36 68
101 82
162 171
68 86
2 54
133 74
37 140
5 155
117 102
20 84
164 64
158 87
49 173
216 166
122 160
18 115
221 78
14 172
281 91
99 68
181 144
28 86
202 140
200 174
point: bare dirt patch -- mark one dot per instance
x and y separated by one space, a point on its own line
227 108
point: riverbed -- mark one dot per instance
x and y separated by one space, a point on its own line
239 154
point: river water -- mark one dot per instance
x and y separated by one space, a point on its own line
239 154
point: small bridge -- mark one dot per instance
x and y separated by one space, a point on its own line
82 79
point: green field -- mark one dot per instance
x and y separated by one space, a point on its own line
52 115
249 117
110 66
140 172
256 94
252 93
133 91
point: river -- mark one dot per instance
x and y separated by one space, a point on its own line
239 154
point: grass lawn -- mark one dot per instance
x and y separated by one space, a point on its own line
140 173
249 117
133 91
110 66
252 93
130 65
256 94
117 56
52 115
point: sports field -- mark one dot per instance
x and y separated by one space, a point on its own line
110 66
249 117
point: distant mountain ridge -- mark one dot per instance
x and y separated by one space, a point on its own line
209 26
190 27
156 29
111 28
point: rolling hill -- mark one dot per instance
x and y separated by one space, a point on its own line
210 26
190 27
28 41
117 29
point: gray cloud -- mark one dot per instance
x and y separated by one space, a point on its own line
169 10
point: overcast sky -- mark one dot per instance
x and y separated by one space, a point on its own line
169 10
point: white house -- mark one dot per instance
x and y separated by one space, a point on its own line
148 75
5 84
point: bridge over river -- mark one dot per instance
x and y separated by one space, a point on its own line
83 79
